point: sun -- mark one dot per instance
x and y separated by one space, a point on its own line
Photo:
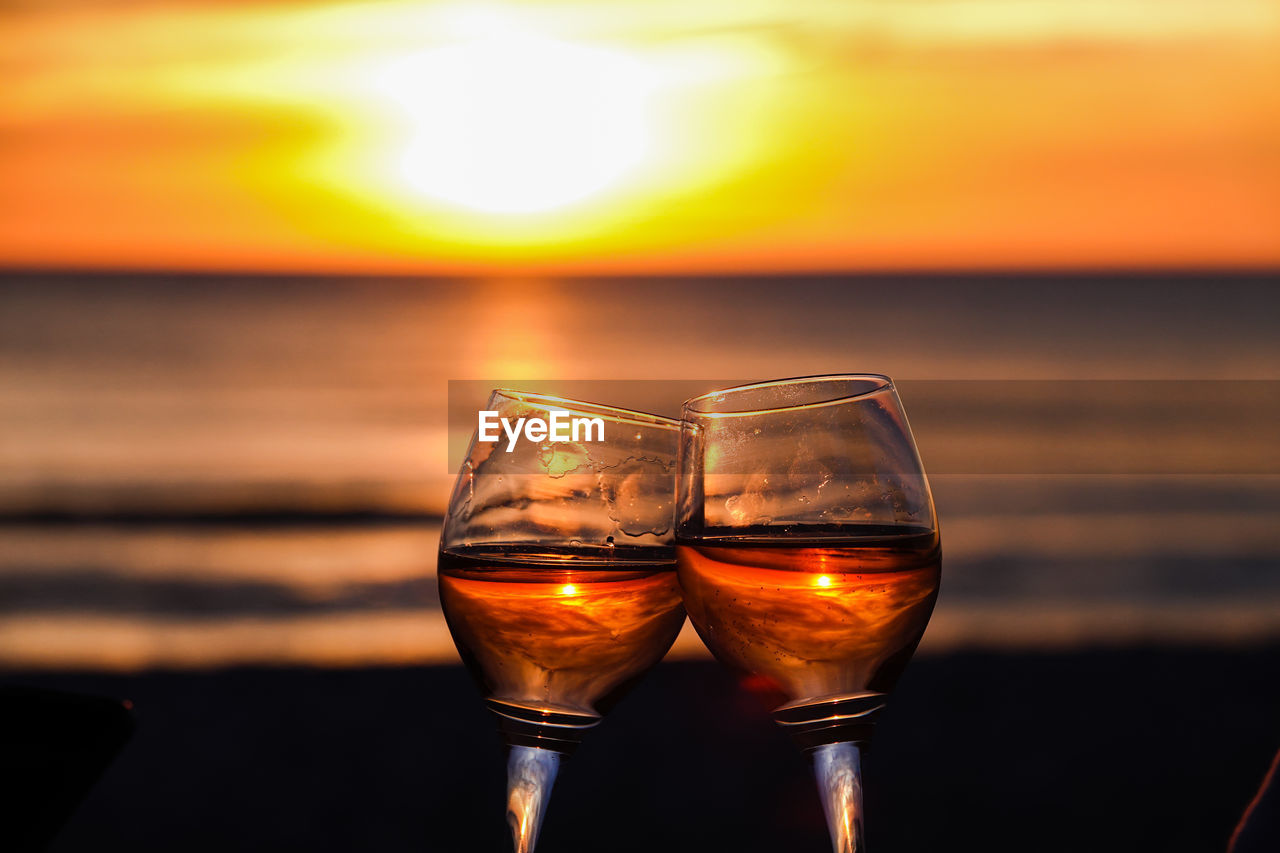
515 123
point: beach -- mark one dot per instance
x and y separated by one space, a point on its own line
222 499
1113 749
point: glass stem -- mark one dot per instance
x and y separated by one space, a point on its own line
838 767
531 773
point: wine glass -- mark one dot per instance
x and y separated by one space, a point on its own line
809 557
557 574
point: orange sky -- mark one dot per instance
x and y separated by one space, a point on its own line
640 135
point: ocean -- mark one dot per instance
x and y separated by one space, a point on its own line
205 470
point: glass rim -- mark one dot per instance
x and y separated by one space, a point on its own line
882 383
613 413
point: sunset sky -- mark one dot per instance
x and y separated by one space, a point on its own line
639 135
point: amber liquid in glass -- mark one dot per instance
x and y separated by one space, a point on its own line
826 618
555 636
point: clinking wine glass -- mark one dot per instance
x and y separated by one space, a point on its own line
557 577
809 557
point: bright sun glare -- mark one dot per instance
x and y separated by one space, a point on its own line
515 122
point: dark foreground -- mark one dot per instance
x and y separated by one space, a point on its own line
1111 750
